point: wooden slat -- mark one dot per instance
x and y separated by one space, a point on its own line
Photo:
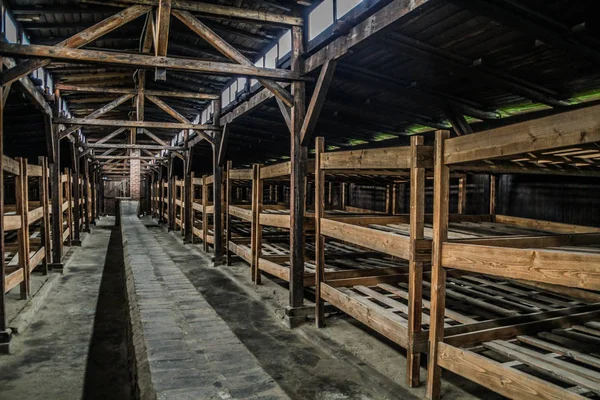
570 128
581 270
545 225
37 258
276 170
385 158
495 376
35 215
12 222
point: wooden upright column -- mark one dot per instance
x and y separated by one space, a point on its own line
4 333
299 156
493 190
45 234
56 194
217 188
319 239
22 197
76 190
228 197
170 196
87 188
188 212
441 196
415 274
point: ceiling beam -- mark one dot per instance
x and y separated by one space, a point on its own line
226 12
161 93
134 146
163 22
144 61
133 124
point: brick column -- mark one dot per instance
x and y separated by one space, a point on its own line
134 175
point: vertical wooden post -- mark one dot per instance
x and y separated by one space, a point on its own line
192 213
388 199
170 195
319 239
22 191
56 189
44 203
394 198
441 195
299 159
415 274
187 207
493 190
161 196
4 333
257 233
227 215
69 187
254 222
217 188
76 196
343 195
87 194
462 195
204 213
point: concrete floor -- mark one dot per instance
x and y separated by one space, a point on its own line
75 346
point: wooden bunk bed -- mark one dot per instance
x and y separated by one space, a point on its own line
202 210
26 224
396 302
528 356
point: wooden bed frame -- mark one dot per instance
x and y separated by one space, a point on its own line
563 144
31 221
204 207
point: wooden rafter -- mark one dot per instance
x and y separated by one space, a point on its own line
160 93
316 102
132 124
230 52
99 112
144 61
81 39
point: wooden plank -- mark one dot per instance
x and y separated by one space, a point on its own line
564 351
384 242
384 158
241 213
567 268
37 258
495 376
35 215
276 170
241 174
550 365
13 279
545 225
570 128
145 61
376 321
163 22
11 166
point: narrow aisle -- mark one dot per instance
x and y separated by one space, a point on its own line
303 368
76 347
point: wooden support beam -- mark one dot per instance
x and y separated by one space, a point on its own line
134 147
217 189
226 12
441 197
99 112
29 89
163 22
159 93
175 114
319 239
81 39
415 270
144 61
222 154
4 333
133 124
111 136
316 102
230 52
299 161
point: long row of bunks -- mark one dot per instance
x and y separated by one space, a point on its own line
489 297
28 220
